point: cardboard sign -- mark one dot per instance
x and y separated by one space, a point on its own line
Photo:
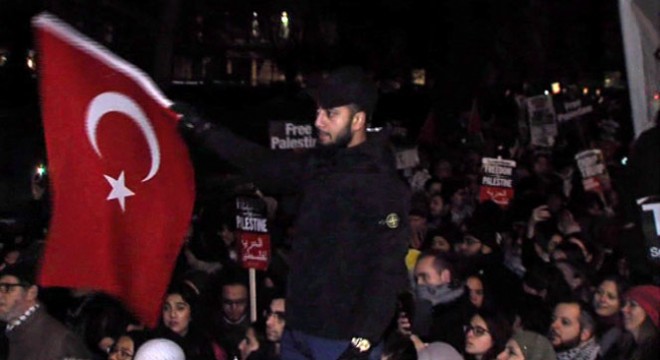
592 167
255 250
650 212
497 181
407 158
542 120
569 110
289 135
253 237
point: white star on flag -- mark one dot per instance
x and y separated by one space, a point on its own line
119 190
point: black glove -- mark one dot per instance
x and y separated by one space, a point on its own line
358 349
192 124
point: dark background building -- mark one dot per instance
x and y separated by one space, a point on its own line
251 58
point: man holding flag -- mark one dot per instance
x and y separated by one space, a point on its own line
347 263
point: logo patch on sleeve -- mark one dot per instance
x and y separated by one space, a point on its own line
392 221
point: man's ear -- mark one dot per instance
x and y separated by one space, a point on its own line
33 293
585 334
445 276
359 120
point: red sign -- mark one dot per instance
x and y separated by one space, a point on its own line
497 181
255 250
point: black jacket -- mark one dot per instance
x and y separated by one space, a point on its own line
347 259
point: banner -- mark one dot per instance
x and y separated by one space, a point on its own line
593 169
287 135
252 226
497 181
650 210
542 120
569 110
122 181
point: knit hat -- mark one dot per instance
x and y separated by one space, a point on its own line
648 297
534 346
160 349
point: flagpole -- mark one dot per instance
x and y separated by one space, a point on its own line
253 295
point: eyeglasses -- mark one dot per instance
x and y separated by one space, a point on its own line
123 354
6 288
279 315
239 302
469 240
478 331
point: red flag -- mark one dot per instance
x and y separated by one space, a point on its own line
123 184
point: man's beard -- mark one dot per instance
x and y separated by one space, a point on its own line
342 139
568 344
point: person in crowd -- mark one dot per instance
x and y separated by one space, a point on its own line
438 211
531 313
253 346
441 239
126 345
397 347
347 256
97 318
486 335
607 303
183 320
275 324
232 319
572 331
441 306
159 349
527 345
575 275
31 332
641 321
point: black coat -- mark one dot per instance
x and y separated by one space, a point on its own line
347 259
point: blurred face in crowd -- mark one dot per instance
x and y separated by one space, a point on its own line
439 243
476 290
443 169
511 351
15 298
249 343
565 330
633 316
470 246
234 302
12 257
477 337
227 235
541 165
437 206
176 314
458 198
123 349
275 320
339 125
606 300
427 275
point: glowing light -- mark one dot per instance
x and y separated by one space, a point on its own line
547 92
30 61
3 59
41 170
556 88
419 77
585 91
284 19
656 97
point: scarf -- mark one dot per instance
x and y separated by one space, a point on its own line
587 351
441 294
22 318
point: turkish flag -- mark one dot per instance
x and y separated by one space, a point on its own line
121 177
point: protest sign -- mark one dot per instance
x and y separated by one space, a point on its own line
542 120
252 227
289 135
592 167
650 213
497 181
572 109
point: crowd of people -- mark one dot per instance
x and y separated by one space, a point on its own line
558 273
